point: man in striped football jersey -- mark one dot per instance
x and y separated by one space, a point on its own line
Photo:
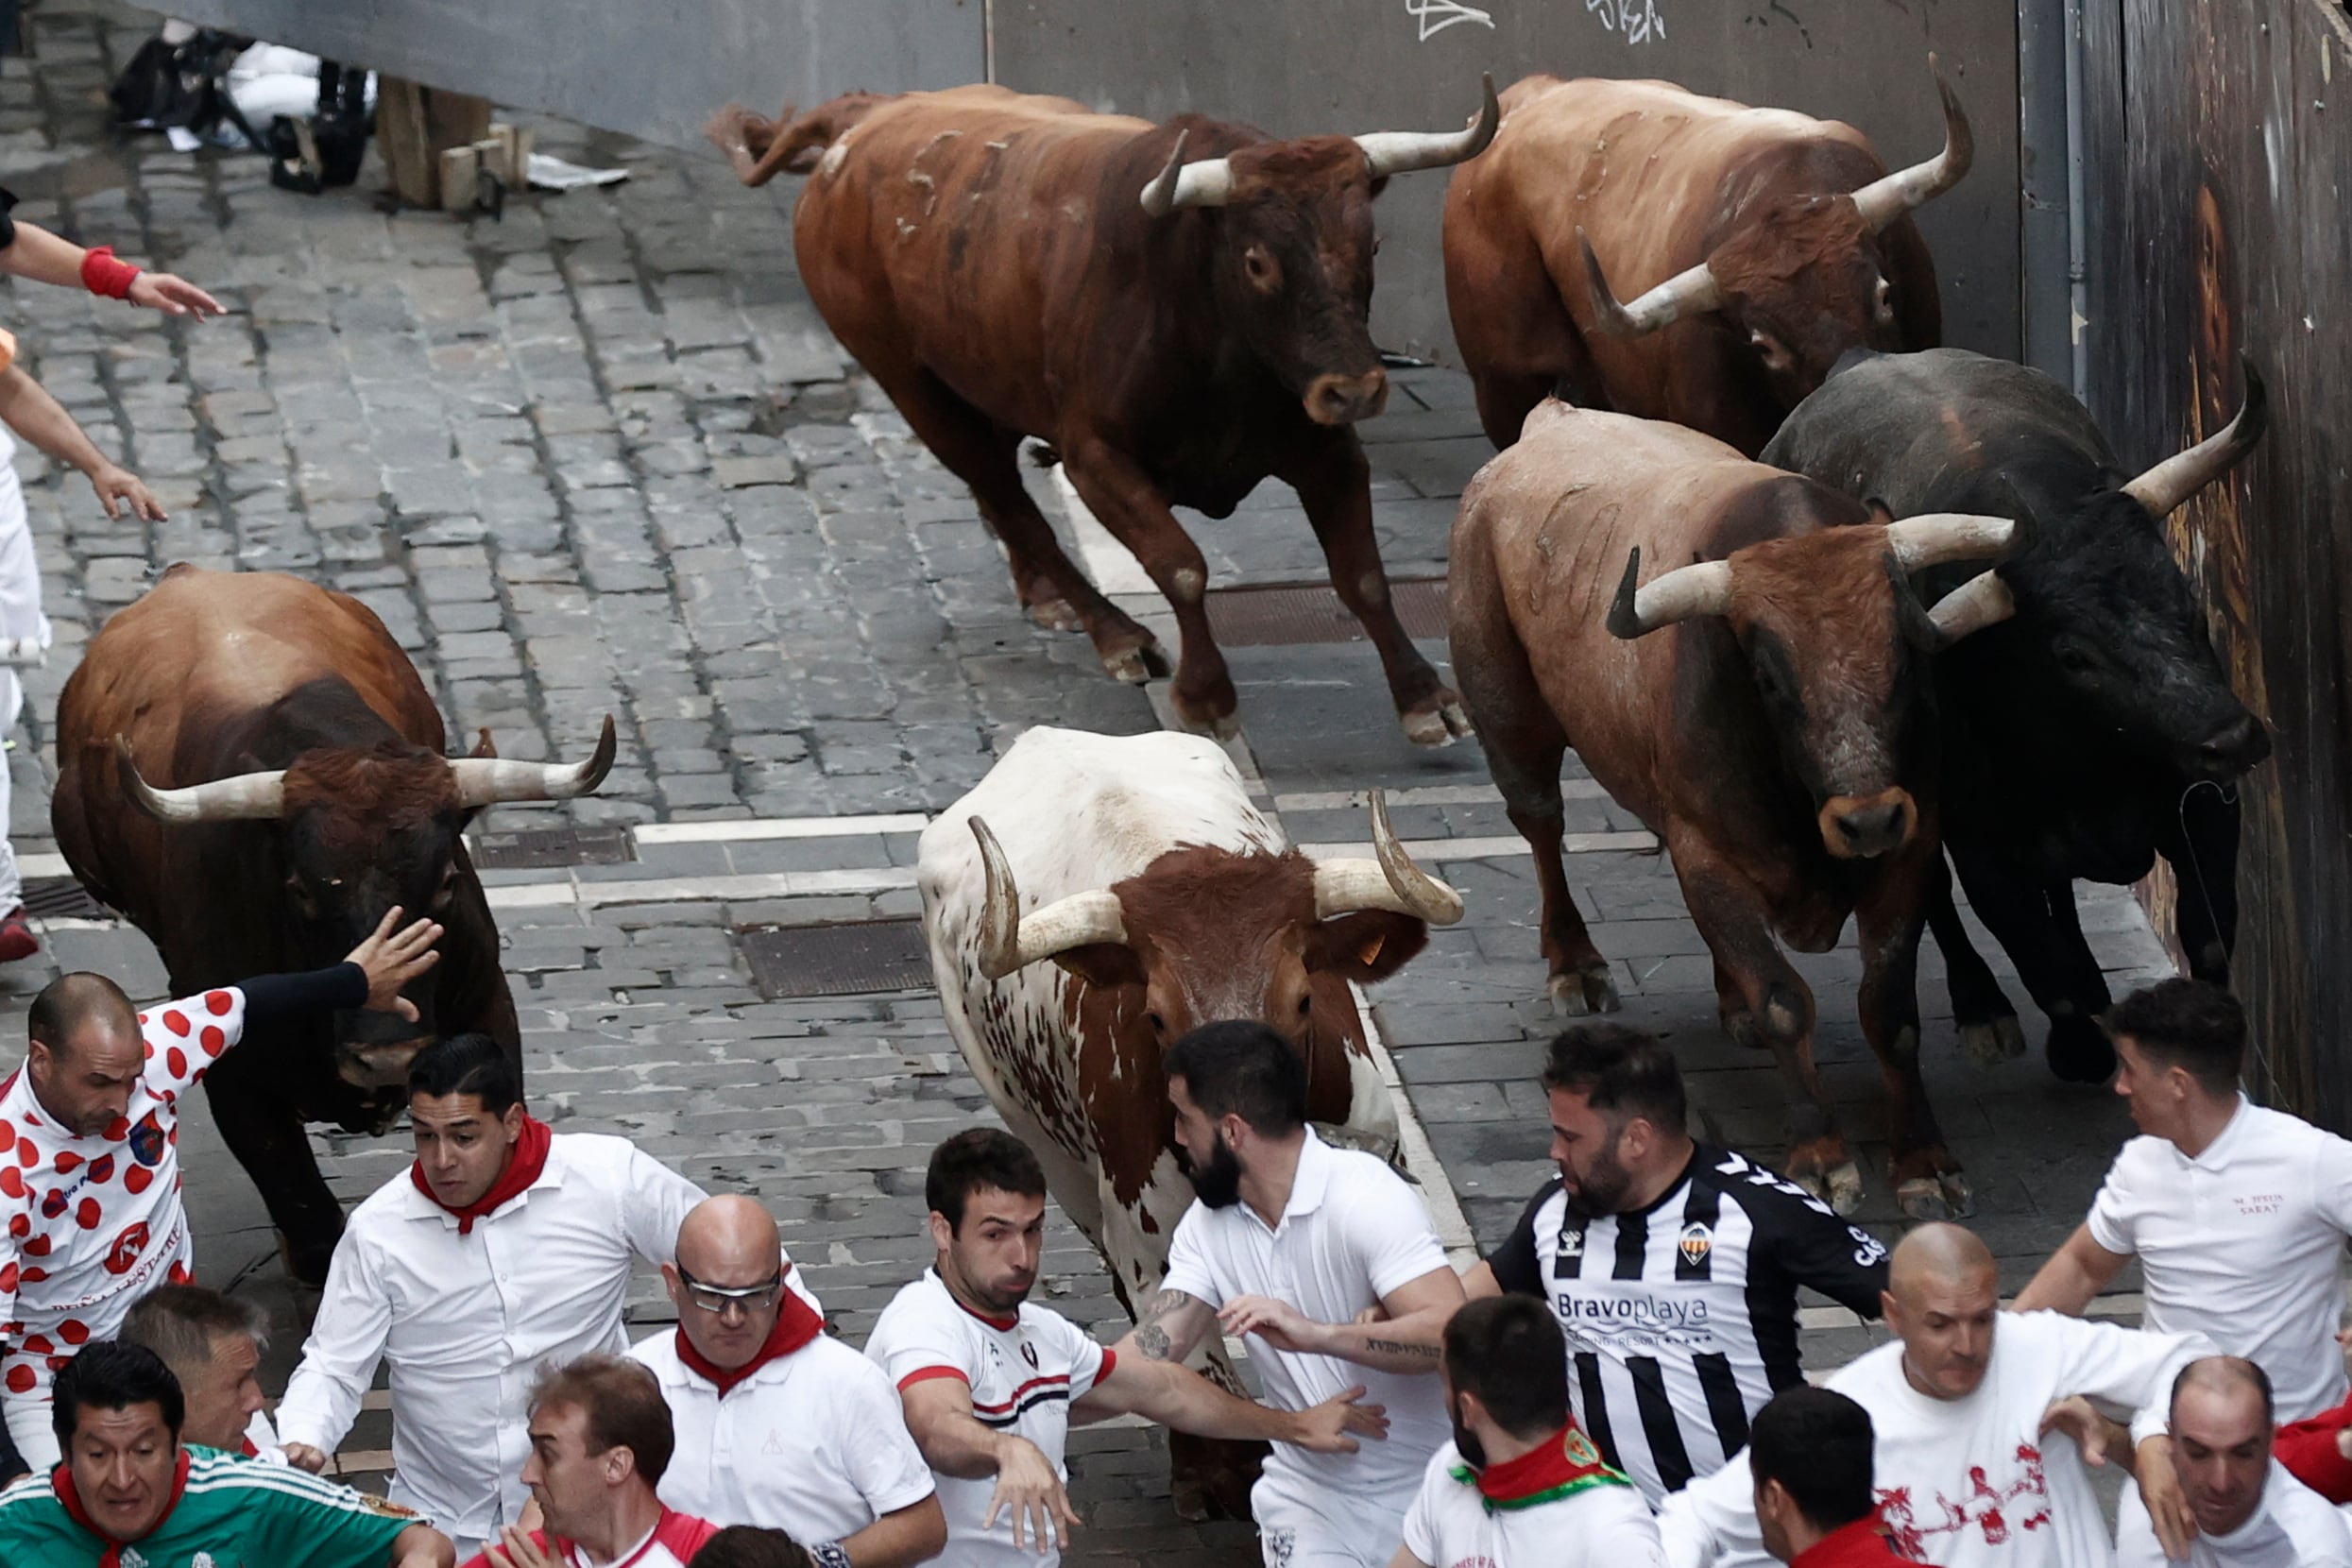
1672 1265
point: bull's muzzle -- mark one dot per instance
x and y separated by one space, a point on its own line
1344 399
377 1064
2237 745
1855 828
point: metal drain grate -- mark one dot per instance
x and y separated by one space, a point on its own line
1311 612
846 960
528 848
63 898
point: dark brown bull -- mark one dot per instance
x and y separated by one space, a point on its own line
1769 242
250 769
1780 739
1179 311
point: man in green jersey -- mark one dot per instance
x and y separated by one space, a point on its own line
130 1494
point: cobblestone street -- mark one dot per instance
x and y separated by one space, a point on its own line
601 456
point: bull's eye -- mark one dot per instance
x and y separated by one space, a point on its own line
1885 303
1159 1024
1307 1003
448 889
299 896
1263 271
2075 660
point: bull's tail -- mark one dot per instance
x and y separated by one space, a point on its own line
761 148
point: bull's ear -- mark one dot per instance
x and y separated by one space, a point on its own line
485 747
1881 514
1102 963
1367 945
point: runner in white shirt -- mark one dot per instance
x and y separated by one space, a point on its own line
213 1345
2237 1213
2249 1512
502 1248
90 1208
1291 1241
992 1381
599 1441
777 1423
1520 1486
1965 1476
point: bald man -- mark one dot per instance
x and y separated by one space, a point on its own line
1965 1476
2249 1512
779 1424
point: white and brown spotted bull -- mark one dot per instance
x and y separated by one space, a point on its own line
1096 898
1764 705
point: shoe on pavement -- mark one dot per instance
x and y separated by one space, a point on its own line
16 937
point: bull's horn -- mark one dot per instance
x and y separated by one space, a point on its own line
1684 293
1884 200
1933 538
1007 941
485 781
1402 151
248 797
1390 881
1207 183
1976 605
2162 489
1701 588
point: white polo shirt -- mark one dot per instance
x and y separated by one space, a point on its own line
1025 1372
1353 1231
1595 1521
2293 1527
465 1321
814 1443
2244 1244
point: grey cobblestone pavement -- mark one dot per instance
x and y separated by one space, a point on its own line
601 456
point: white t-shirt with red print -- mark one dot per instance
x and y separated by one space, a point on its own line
94 1223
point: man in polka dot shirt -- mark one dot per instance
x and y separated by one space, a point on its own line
89 1211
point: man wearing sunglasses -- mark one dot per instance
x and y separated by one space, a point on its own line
777 1424
503 1248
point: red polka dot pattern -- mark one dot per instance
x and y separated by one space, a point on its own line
175 1061
177 1022
220 1002
68 1162
137 1178
87 1213
74 1331
21 1380
214 1039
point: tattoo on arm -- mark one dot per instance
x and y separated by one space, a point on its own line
1401 1347
1152 1337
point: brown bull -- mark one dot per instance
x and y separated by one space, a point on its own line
1766 710
1769 244
251 770
1179 311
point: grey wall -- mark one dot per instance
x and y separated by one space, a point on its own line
652 70
1294 66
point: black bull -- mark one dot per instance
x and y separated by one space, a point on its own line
2094 731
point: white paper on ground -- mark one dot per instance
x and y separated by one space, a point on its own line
554 174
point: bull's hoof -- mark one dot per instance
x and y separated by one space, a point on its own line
1055 615
1436 720
1943 1197
1991 1043
1588 990
2079 1051
1840 1187
1190 1500
308 1264
1136 663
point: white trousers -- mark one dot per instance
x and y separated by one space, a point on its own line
19 616
29 1428
1299 1530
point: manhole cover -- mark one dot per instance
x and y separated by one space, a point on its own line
527 848
1311 612
846 960
63 898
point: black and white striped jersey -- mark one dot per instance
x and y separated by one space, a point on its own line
1681 1318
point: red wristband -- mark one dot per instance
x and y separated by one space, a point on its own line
102 274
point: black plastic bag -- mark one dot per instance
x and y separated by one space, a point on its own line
180 84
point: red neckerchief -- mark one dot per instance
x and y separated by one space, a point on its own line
796 1323
1561 1464
681 1534
1855 1546
61 1482
524 1168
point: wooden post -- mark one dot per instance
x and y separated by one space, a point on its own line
415 126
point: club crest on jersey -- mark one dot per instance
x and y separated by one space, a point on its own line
1572 1244
1698 1241
148 1142
124 1254
1579 1448
1029 1354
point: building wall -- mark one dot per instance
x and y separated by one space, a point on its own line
2218 226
